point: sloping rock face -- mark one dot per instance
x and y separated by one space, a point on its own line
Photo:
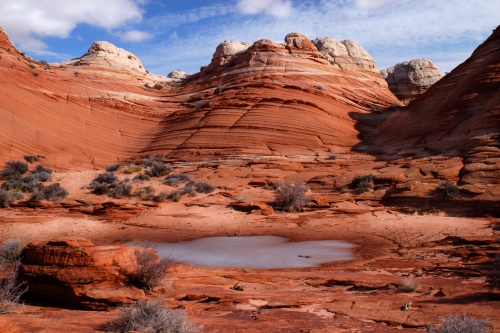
457 116
267 98
410 79
74 271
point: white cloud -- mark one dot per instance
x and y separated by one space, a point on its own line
278 8
173 35
445 32
133 35
171 20
369 4
28 21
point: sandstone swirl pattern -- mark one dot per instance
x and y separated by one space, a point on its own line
272 98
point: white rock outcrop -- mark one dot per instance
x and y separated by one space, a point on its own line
106 55
410 79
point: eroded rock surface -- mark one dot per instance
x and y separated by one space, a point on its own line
73 271
348 55
264 99
410 79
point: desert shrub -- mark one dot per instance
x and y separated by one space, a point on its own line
107 184
43 176
149 269
10 250
189 190
160 169
290 197
52 192
28 183
8 197
141 177
146 85
319 87
13 170
363 183
161 197
153 159
10 290
493 278
132 168
35 74
332 157
106 178
113 167
32 66
175 195
204 187
31 158
39 168
145 192
449 189
171 181
158 86
218 90
9 174
409 285
120 190
43 62
151 316
199 105
456 324
175 179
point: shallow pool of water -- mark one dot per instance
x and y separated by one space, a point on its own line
259 252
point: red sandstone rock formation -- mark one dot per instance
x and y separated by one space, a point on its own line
74 271
410 79
457 116
272 99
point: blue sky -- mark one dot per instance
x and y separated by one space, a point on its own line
172 34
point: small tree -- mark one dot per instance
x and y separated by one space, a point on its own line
150 270
291 197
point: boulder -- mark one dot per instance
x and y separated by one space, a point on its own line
75 272
410 79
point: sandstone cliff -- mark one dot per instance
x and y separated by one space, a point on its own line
410 79
457 116
266 98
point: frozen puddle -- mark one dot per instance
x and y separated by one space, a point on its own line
260 252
